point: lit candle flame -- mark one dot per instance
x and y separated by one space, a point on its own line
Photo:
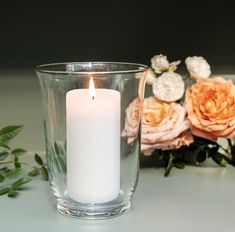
92 88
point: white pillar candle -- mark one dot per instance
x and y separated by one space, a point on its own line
93 145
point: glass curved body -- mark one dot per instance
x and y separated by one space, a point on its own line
56 81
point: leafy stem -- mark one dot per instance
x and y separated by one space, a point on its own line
15 171
12 190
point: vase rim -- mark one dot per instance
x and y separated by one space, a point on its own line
50 68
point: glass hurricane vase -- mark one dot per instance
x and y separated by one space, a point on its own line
93 170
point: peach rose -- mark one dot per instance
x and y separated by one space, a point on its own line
164 126
210 105
132 121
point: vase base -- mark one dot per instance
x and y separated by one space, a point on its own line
92 214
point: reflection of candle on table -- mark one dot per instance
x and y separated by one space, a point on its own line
93 144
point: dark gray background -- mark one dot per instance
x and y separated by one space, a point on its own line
35 32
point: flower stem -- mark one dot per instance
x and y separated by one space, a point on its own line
229 143
226 150
186 77
169 165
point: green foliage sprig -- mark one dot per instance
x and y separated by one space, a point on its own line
14 173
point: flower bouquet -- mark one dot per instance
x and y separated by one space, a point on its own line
182 125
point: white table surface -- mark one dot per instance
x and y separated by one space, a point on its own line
192 200
195 199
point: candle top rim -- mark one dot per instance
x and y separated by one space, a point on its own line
85 91
87 68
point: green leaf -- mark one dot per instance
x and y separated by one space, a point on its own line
62 163
56 148
60 156
38 159
4 190
2 178
219 159
201 157
12 193
9 132
34 172
4 170
44 173
4 145
14 173
200 153
18 152
20 182
202 141
228 159
3 155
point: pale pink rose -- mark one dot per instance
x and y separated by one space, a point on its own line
132 121
210 105
164 126
184 139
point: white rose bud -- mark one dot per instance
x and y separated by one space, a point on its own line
168 87
159 63
198 67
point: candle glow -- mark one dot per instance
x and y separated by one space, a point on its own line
92 88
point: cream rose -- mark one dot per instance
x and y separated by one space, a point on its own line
210 104
198 67
168 87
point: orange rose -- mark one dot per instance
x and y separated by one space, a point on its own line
210 104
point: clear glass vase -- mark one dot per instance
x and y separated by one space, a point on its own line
93 169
